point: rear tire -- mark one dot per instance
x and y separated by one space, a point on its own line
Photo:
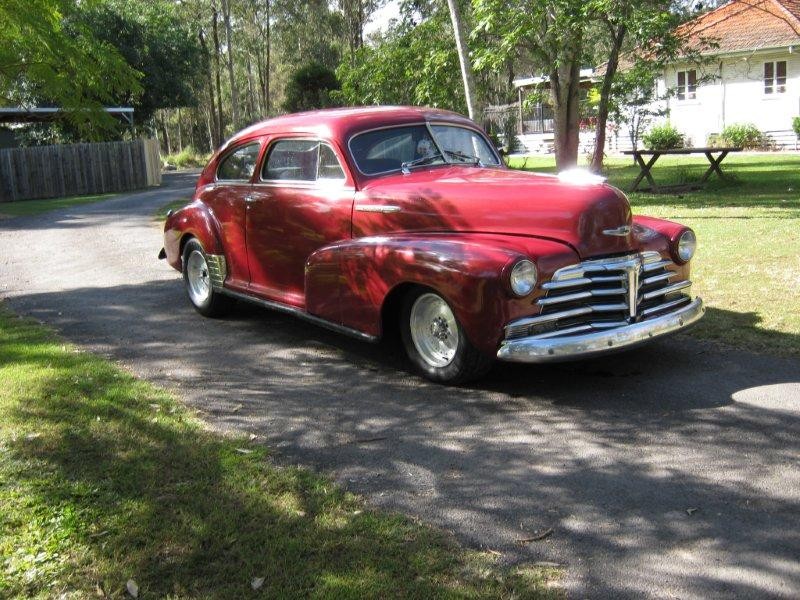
201 293
435 341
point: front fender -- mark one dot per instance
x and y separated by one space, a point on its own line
194 220
349 282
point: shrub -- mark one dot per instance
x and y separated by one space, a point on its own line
311 87
186 158
796 126
663 137
743 135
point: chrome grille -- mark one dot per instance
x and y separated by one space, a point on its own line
597 295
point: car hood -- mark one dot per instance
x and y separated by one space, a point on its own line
585 215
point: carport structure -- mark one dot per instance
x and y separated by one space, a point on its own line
49 114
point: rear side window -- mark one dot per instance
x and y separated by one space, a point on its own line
329 167
302 160
240 164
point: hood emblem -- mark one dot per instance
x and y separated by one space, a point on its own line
622 231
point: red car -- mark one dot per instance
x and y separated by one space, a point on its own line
366 218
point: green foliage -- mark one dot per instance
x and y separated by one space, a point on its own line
45 62
310 87
414 64
189 157
743 135
796 126
152 38
663 137
632 100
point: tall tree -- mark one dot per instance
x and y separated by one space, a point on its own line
551 33
463 58
226 16
562 35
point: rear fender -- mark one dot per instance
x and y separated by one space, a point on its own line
194 220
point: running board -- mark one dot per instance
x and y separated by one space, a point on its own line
301 314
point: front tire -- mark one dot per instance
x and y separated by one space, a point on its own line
435 341
199 289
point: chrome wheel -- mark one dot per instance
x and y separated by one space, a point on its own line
434 330
197 280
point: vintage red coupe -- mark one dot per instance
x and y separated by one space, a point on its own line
366 219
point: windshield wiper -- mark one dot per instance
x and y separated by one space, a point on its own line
467 158
406 166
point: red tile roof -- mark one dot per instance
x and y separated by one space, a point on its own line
746 25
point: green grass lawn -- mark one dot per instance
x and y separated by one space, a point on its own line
106 479
35 207
747 266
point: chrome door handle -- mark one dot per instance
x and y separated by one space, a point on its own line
378 208
250 198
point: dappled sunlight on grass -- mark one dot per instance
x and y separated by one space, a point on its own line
105 478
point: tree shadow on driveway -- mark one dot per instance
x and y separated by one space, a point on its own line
609 453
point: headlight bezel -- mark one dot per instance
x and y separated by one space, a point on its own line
686 240
523 270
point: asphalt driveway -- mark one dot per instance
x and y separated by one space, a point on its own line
672 471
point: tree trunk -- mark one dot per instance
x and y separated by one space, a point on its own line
220 118
463 58
180 132
251 91
166 132
226 16
565 88
605 97
267 99
214 135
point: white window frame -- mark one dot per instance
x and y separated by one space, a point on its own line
686 91
772 87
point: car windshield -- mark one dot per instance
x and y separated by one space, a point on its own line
406 147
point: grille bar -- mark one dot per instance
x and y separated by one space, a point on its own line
604 294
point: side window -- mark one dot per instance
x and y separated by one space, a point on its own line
687 85
240 164
302 160
294 160
329 167
775 77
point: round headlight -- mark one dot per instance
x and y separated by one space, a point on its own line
523 278
686 245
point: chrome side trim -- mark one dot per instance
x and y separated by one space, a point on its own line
301 314
377 208
538 350
217 270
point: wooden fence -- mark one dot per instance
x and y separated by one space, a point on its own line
78 169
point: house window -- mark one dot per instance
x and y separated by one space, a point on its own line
775 77
687 85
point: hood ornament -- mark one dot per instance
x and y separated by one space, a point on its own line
622 231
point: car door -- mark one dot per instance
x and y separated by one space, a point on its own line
302 201
227 197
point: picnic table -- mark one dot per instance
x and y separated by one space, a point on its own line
646 167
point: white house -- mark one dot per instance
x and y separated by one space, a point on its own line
752 76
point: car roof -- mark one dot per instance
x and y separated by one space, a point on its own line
342 123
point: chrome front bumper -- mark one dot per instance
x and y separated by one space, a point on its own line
533 350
